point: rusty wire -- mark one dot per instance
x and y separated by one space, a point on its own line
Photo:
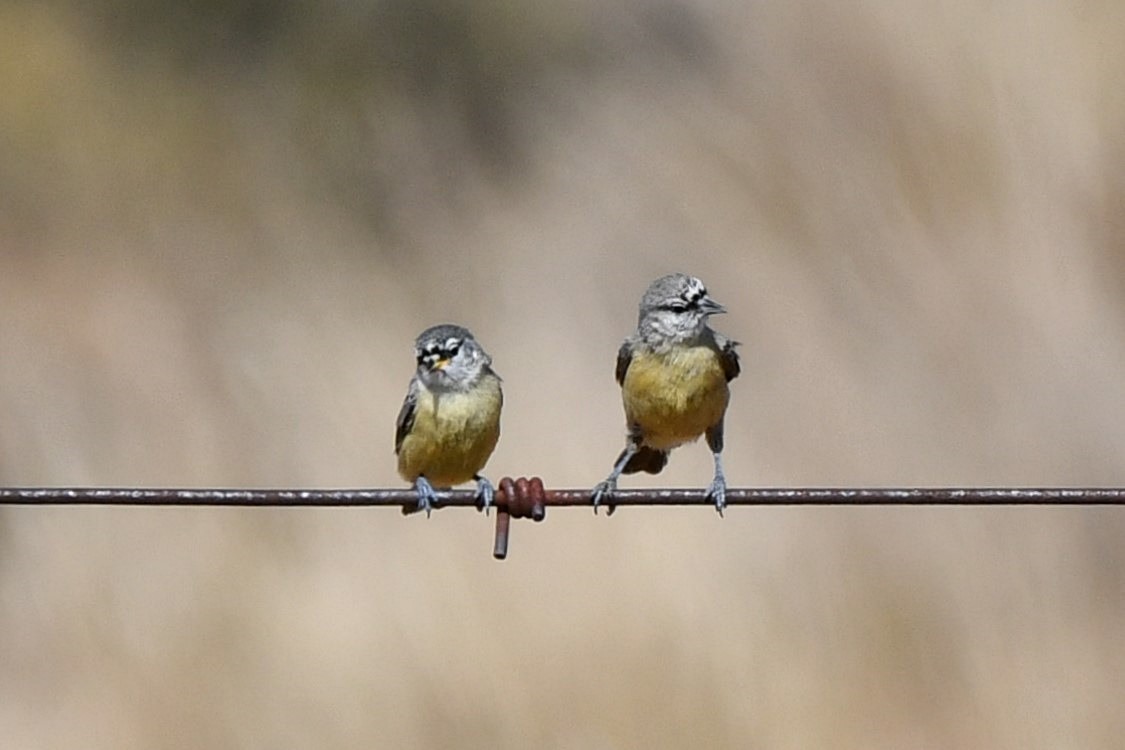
527 498
405 496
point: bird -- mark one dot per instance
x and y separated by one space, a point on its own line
674 372
449 423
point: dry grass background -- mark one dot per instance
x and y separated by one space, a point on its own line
221 225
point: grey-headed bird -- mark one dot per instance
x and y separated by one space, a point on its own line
450 421
673 371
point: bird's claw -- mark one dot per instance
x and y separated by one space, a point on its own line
485 494
717 493
604 491
427 498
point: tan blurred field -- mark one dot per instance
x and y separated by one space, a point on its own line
222 224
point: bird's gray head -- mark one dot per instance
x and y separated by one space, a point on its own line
449 358
675 308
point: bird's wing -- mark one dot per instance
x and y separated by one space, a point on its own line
624 357
728 357
406 415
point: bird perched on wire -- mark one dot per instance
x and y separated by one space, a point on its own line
673 371
450 421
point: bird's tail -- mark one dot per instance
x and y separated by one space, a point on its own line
646 459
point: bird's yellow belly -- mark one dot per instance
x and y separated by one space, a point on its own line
675 396
452 436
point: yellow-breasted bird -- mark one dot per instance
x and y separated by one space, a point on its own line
673 371
450 421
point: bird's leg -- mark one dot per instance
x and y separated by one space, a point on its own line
718 489
485 493
427 498
604 490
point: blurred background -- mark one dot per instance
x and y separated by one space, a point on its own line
223 223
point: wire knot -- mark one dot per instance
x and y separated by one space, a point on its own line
517 498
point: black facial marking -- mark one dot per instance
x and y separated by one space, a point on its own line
695 292
688 300
434 351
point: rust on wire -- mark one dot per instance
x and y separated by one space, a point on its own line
517 498
527 498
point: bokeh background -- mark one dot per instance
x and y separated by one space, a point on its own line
223 222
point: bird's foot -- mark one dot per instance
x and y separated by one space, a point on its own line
603 493
427 498
717 493
485 493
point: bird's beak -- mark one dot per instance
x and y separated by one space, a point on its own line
709 306
441 364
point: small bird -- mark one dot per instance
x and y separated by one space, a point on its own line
450 421
673 371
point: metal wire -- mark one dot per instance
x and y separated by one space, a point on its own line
527 498
558 498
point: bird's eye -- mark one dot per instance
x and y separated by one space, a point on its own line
452 346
